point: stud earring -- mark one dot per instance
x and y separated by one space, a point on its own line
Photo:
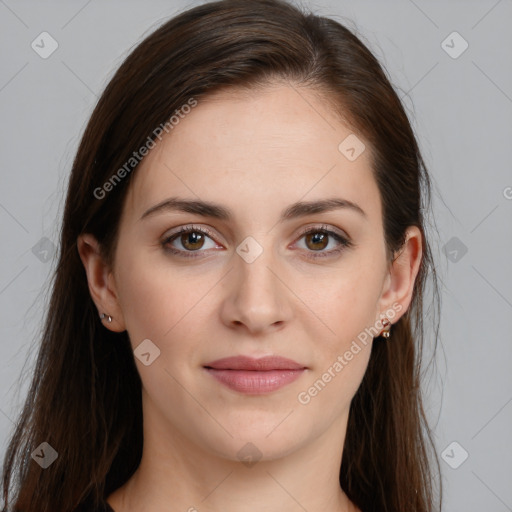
109 318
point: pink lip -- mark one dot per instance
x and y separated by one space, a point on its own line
255 376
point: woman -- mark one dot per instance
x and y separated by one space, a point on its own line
236 320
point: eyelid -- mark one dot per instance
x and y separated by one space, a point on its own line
302 232
324 227
189 227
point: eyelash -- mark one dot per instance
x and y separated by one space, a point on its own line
344 242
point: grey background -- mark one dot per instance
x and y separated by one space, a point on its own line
461 110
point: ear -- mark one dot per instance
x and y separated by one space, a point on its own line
399 283
101 282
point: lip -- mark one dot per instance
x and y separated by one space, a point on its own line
255 376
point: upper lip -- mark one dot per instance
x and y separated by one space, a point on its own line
266 363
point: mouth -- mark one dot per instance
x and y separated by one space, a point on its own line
255 376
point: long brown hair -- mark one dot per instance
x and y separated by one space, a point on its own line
85 395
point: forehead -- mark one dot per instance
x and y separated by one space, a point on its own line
274 145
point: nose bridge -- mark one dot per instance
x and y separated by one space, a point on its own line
256 283
256 298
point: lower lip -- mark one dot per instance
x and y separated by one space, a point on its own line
255 382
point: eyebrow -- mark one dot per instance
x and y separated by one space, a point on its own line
217 211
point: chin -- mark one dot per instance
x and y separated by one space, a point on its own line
252 442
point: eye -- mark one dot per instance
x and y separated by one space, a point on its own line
191 238
318 238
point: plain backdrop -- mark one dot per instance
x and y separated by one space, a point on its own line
451 62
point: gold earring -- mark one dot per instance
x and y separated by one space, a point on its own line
385 333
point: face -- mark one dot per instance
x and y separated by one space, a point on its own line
256 282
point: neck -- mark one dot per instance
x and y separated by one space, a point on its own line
177 475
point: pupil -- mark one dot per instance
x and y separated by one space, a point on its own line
319 238
192 238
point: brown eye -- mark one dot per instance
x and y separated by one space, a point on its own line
193 240
190 241
317 240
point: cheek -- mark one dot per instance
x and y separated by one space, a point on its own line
152 298
336 379
346 303
348 309
164 304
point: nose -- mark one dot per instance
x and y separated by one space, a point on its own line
257 299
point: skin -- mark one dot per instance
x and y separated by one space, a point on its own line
255 154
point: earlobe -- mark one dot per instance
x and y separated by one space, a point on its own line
403 270
100 280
